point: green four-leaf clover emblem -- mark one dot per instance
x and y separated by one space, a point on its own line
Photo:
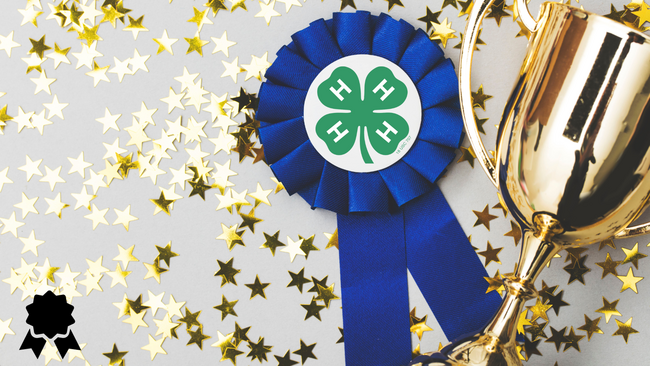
362 115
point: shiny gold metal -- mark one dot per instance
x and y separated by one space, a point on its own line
573 153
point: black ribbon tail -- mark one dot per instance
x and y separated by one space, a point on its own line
33 343
65 344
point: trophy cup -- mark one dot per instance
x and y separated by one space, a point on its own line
573 152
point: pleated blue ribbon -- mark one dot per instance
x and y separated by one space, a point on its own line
390 219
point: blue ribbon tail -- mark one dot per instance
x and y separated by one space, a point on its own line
442 262
374 289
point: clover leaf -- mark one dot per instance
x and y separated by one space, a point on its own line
367 116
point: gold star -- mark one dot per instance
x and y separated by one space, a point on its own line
190 319
249 220
79 165
536 331
326 294
135 26
608 266
166 327
237 4
332 239
232 69
215 5
418 325
7 43
55 205
200 18
165 43
497 11
115 356
196 44
557 337
609 309
624 329
271 242
154 346
293 248
118 276
515 232
484 217
298 279
39 47
494 283
466 7
392 3
231 236
111 171
591 327
257 287
629 281
644 16
27 205
43 83
346 3
197 337
491 255
89 34
313 309
633 255
430 19
305 351
226 307
479 98
124 217
4 328
136 319
125 256
29 16
577 269
97 216
83 198
166 253
267 12
467 154
258 350
227 272
572 340
230 354
442 32
154 270
609 242
539 310
126 163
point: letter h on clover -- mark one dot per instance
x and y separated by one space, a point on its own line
368 116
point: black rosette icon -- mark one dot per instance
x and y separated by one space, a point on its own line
50 316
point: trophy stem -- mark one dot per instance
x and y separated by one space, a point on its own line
536 252
495 344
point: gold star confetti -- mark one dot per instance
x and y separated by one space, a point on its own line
418 325
442 32
624 329
609 309
633 255
196 45
491 255
629 281
591 327
115 356
257 287
165 43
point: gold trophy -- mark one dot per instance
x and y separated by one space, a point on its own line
573 152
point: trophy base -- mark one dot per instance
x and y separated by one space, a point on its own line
477 350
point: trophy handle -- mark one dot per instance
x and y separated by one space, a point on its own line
631 232
479 10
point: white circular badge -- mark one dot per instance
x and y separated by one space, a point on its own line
362 113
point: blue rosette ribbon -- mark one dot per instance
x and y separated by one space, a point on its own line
392 219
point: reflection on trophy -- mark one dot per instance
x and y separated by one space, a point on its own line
573 153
